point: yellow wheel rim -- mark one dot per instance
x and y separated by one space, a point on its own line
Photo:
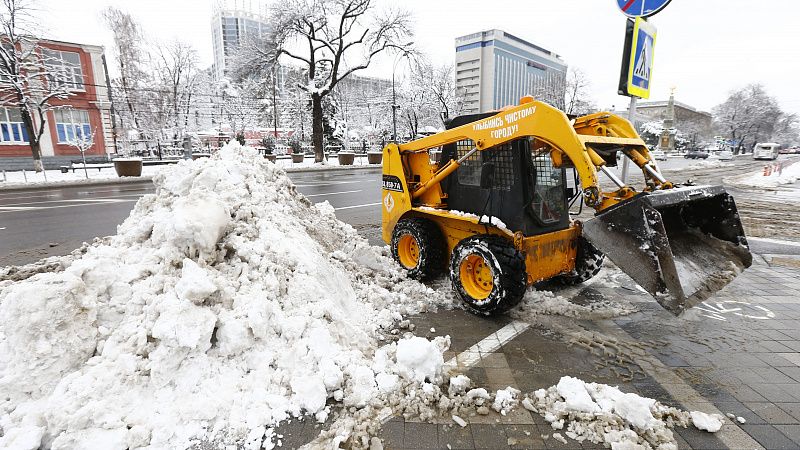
476 277
408 251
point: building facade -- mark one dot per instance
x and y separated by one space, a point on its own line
87 110
685 118
495 69
230 29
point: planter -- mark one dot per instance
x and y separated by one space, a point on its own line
128 167
200 155
298 157
346 159
374 157
271 157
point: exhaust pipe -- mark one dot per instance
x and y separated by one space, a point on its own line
681 245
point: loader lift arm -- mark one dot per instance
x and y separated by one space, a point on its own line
681 244
570 145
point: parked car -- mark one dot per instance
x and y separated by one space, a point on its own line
696 154
659 155
725 155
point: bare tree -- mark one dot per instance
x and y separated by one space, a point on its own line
332 39
439 85
177 71
30 78
577 100
131 59
83 143
749 115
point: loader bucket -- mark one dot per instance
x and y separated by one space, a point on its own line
681 245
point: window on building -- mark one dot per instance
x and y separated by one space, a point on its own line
63 69
72 125
12 130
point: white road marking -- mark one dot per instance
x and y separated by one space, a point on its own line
2 228
87 202
73 200
357 206
334 183
469 357
333 193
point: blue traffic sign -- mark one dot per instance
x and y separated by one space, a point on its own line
641 8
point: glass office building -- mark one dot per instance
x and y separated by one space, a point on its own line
495 69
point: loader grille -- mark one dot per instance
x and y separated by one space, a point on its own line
470 171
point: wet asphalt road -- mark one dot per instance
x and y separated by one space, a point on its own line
37 223
736 354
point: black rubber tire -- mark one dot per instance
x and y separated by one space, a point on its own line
508 273
588 261
432 249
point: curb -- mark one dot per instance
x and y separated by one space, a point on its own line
116 181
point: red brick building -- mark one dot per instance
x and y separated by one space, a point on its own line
83 68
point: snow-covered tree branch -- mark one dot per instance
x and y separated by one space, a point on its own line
332 39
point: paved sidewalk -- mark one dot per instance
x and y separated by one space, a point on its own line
739 354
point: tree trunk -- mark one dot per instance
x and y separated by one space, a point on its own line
36 151
316 127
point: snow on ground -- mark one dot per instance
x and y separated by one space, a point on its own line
226 303
53 176
788 175
603 414
29 177
704 164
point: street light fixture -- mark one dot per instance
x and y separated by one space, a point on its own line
395 106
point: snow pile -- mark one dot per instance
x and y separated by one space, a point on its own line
603 414
225 304
710 164
788 175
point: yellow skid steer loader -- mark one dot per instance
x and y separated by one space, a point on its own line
496 210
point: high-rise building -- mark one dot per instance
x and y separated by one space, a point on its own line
230 29
495 69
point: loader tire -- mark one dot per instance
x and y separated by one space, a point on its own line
488 274
588 261
419 247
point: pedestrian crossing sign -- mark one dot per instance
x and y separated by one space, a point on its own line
640 62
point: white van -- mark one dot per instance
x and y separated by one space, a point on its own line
767 150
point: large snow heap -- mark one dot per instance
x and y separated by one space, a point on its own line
226 301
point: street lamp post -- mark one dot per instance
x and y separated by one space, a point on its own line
395 106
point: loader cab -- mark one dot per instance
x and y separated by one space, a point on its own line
514 182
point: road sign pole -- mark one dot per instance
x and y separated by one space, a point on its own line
632 120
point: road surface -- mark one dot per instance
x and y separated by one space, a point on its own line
37 223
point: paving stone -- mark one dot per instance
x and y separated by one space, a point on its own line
771 413
791 431
392 433
741 410
489 436
421 435
791 408
524 437
769 436
772 392
698 439
455 437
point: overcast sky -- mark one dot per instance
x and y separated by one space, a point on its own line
704 48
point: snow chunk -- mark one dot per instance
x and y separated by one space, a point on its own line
458 385
577 398
707 422
461 422
419 359
505 400
194 284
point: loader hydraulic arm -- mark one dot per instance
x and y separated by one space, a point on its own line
577 144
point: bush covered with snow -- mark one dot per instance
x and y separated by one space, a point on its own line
226 301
